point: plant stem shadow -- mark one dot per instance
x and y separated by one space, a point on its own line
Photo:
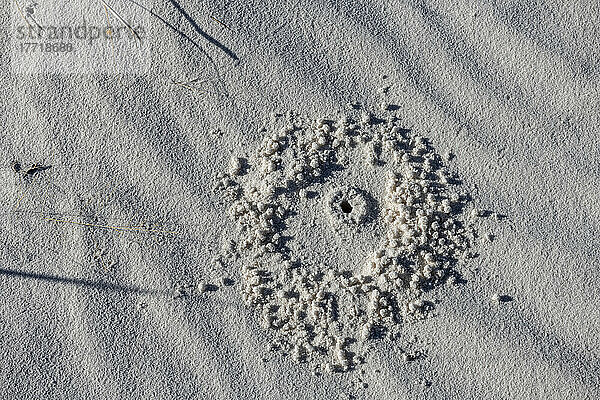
85 283
205 35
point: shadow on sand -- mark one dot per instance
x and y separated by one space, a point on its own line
85 283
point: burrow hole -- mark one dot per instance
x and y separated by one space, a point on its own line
346 207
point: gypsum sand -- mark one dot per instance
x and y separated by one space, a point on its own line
326 314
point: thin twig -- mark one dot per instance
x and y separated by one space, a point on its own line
112 43
23 15
25 18
20 199
185 85
225 26
123 21
109 31
116 228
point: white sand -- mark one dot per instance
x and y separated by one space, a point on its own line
90 311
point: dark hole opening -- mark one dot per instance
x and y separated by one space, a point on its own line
346 207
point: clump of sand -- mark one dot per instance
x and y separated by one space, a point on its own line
325 314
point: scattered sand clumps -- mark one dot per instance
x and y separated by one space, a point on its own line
326 315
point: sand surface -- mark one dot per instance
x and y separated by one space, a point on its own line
112 260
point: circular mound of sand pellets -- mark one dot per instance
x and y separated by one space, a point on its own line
325 315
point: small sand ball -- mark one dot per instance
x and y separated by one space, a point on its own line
202 287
